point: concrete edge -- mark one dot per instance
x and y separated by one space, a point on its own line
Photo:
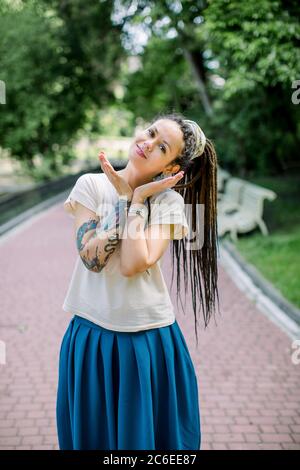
27 217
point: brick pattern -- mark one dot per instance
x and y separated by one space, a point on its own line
248 387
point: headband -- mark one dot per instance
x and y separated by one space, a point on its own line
199 137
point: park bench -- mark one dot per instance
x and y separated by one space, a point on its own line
222 176
231 198
247 213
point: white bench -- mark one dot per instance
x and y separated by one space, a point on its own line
222 176
231 199
248 213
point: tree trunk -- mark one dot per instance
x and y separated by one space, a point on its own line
197 66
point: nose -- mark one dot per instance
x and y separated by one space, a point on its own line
146 146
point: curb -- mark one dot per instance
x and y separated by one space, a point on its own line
19 219
257 288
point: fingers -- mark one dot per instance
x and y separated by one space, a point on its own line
105 164
102 157
173 179
101 160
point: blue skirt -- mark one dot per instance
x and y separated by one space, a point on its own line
126 390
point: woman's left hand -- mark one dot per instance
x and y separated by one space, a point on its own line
122 187
142 192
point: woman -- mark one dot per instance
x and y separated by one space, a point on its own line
126 378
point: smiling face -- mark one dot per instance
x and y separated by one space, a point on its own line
161 143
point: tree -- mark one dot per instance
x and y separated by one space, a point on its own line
181 20
257 46
57 60
163 81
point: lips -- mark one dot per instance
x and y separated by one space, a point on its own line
140 152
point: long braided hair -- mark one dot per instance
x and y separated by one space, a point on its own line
198 186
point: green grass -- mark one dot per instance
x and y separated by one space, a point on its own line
277 256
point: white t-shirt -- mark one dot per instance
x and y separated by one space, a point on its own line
108 298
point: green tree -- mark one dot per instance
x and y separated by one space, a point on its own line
257 46
163 81
57 60
180 20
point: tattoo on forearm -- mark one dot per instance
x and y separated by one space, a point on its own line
117 218
91 224
114 223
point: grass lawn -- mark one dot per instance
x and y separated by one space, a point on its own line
277 256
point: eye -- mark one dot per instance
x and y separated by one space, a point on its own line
151 132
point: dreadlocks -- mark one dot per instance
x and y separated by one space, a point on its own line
199 187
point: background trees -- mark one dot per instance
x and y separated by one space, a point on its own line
228 65
59 61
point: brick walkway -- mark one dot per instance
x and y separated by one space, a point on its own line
248 385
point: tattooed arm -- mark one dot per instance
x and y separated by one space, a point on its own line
97 240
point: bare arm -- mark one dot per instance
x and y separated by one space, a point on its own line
97 240
141 248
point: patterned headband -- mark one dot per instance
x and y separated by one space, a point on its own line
200 138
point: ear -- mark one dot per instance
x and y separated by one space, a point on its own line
172 169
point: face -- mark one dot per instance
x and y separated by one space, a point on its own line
161 143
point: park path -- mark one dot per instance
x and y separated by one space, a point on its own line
248 386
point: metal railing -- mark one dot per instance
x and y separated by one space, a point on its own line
15 208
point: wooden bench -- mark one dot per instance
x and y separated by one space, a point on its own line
247 213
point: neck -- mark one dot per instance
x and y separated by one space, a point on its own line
133 178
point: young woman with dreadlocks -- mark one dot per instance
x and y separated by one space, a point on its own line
126 378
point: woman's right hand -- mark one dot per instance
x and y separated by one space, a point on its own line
148 189
122 187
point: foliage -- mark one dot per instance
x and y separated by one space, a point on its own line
257 46
162 81
56 62
66 70
257 43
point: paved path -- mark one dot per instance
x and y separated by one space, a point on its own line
248 386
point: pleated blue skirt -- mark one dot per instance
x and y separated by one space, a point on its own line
126 390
